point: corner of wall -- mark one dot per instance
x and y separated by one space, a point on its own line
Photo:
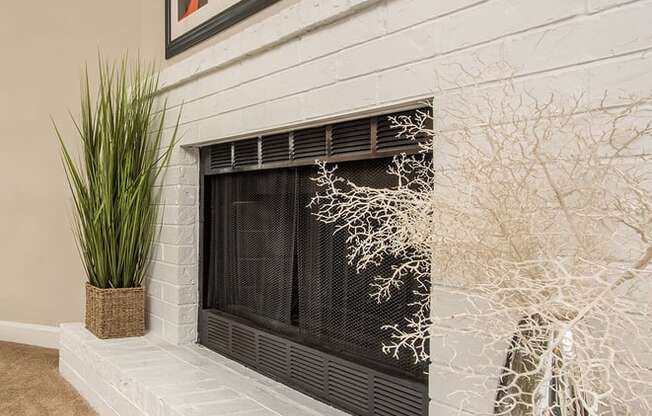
172 287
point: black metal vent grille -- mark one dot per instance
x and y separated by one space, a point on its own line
307 369
219 335
357 389
243 344
387 136
349 386
246 152
220 156
275 148
390 399
272 355
364 138
351 136
309 143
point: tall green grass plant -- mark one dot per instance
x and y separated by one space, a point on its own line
113 181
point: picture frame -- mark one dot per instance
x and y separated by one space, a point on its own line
190 22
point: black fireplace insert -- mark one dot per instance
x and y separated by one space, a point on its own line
277 291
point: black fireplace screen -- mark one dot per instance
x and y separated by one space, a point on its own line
271 262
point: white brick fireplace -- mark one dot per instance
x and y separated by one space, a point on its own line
172 284
308 62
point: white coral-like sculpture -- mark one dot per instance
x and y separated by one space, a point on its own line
538 212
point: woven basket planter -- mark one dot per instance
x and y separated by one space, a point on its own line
115 313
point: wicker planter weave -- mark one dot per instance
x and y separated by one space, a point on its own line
115 313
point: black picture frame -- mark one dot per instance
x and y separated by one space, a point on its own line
211 27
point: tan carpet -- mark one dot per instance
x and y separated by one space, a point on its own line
30 384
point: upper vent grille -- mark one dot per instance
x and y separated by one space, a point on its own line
275 148
363 138
246 152
220 156
309 143
351 136
387 135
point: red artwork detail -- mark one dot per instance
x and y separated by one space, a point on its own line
193 6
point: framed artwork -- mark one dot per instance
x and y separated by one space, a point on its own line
189 22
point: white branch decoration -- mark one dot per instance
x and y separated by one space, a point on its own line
537 211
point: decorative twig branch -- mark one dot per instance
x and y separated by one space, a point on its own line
538 211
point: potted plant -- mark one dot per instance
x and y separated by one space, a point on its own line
112 185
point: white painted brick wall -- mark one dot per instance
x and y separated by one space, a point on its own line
319 60
375 54
172 285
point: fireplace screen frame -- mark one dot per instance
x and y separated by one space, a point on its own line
380 389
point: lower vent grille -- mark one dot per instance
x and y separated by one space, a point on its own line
272 355
219 335
348 386
243 344
390 399
307 368
357 389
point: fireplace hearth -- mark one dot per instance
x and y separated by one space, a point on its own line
277 292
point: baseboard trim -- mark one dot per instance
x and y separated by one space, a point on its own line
31 334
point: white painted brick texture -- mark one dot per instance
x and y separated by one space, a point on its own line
318 60
386 52
145 376
172 278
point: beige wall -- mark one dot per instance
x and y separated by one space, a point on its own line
43 47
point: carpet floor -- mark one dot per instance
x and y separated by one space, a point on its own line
30 384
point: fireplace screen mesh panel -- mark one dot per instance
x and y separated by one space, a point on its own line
271 262
335 303
251 259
